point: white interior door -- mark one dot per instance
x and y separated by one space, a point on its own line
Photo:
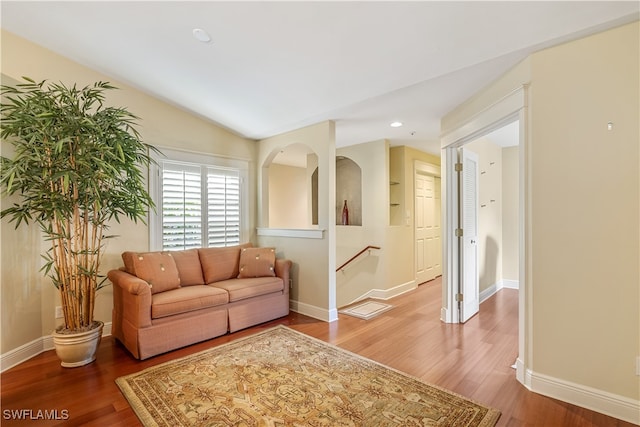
437 231
469 286
426 228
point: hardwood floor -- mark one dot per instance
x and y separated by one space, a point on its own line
473 360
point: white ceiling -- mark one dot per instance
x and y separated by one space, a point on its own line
276 66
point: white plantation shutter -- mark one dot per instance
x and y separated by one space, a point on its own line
181 206
200 206
223 207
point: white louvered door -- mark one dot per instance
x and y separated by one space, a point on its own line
469 223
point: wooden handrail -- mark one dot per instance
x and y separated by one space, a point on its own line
356 256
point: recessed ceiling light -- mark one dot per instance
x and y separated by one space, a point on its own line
396 124
201 35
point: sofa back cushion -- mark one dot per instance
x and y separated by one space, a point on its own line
158 269
257 262
220 263
189 268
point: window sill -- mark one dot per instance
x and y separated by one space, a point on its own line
303 233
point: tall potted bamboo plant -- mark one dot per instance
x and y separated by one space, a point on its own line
78 165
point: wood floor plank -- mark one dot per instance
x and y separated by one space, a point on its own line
473 359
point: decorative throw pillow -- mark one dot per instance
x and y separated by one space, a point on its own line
189 268
220 263
257 262
158 269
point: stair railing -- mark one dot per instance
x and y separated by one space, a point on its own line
353 258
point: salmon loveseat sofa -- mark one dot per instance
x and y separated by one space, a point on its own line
167 300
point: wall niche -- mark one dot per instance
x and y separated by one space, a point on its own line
349 189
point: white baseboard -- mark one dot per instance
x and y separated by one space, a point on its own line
385 294
488 293
313 311
521 373
614 405
25 352
510 284
332 315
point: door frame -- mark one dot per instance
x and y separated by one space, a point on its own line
512 107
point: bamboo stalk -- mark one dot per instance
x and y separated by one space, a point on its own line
86 260
96 245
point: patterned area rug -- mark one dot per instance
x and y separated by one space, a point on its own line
367 310
281 377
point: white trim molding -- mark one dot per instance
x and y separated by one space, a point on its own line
614 405
510 284
31 349
445 315
302 233
489 292
494 116
386 294
324 314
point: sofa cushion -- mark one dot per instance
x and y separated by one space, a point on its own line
257 262
240 289
186 299
158 269
189 268
220 263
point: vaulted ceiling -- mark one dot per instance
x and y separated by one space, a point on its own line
270 67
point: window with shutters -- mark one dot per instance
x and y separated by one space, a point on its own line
197 204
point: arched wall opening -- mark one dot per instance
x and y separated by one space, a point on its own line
290 188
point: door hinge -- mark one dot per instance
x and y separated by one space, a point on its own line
458 232
458 167
459 297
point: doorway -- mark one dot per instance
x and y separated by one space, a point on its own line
509 109
484 216
427 208
491 241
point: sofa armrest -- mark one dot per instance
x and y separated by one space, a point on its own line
131 298
283 268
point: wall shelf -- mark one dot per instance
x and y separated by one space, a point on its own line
310 233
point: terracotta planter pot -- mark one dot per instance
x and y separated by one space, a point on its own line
78 349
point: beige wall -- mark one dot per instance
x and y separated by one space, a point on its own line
585 215
368 272
498 213
582 299
28 301
23 289
490 247
289 193
510 212
512 80
313 274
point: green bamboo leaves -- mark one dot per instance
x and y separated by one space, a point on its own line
78 165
